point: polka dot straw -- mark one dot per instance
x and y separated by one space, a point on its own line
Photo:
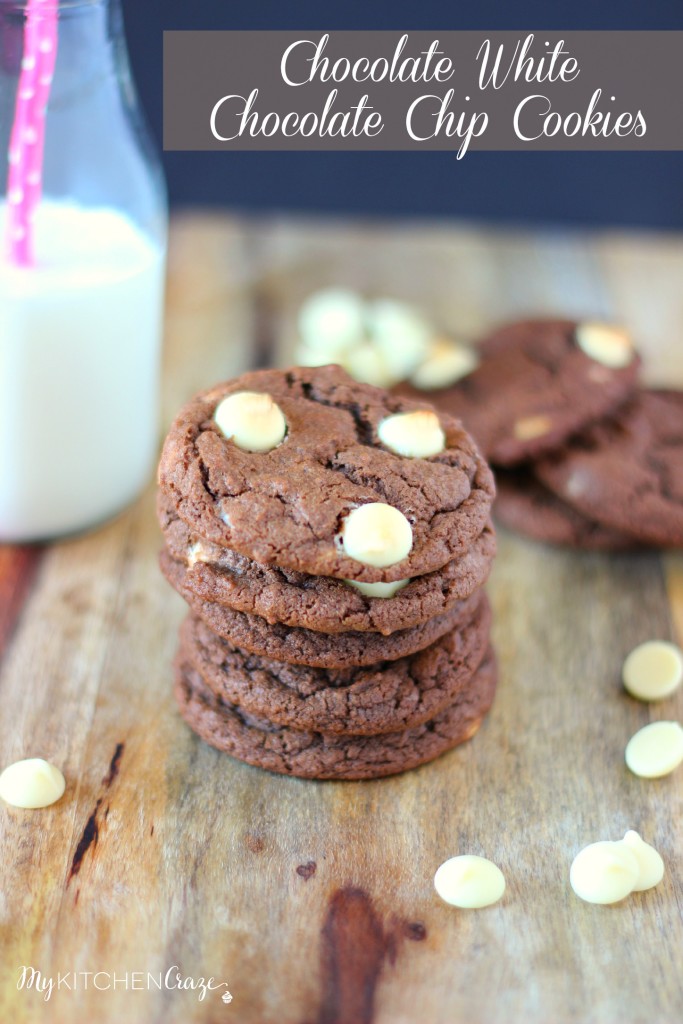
27 138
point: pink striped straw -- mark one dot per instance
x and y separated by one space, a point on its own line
27 140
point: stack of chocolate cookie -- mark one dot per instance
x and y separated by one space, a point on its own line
584 456
332 542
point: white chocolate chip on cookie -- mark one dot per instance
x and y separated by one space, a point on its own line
252 420
31 783
612 346
376 534
444 364
531 427
380 589
197 553
469 882
416 435
653 670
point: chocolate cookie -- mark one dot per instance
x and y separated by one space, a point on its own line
628 472
316 755
385 697
286 506
534 387
319 602
523 504
305 646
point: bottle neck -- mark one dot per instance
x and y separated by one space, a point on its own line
94 149
64 7
94 20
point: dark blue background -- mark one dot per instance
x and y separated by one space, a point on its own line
579 188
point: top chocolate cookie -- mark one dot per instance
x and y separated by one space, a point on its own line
539 382
309 470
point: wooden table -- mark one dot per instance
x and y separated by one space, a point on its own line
314 901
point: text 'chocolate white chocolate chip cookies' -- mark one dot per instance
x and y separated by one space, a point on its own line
332 541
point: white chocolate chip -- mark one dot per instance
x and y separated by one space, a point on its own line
444 364
305 356
31 783
604 872
607 872
607 344
400 334
655 750
197 553
650 864
331 321
653 670
531 427
368 365
416 435
378 589
252 420
376 534
469 882
578 483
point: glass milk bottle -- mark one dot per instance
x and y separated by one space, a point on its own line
83 235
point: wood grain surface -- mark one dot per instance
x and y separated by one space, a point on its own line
314 902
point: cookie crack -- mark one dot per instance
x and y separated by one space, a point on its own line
546 361
205 475
365 433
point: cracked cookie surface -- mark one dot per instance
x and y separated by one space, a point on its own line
317 755
533 388
384 697
627 472
286 506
